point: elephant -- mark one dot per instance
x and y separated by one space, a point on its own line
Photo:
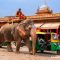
18 32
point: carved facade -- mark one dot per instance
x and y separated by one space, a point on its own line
44 17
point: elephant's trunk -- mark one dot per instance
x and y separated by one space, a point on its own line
33 35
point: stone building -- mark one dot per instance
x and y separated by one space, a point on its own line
45 18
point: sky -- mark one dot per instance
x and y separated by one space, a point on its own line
29 7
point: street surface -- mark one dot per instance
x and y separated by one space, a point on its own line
24 55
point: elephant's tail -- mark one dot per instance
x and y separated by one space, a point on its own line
1 37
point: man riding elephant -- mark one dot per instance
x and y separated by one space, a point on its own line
18 32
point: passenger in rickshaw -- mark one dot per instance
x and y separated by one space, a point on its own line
59 32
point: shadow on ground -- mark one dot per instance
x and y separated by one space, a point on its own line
44 54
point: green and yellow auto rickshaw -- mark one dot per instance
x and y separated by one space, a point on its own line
47 41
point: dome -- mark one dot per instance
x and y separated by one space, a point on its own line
44 9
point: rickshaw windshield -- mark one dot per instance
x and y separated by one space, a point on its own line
54 36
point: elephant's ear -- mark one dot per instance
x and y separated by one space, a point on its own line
21 31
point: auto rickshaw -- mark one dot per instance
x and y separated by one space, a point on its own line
47 41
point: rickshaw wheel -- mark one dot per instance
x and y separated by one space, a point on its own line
0 46
42 51
58 52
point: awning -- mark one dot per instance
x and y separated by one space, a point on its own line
39 24
50 26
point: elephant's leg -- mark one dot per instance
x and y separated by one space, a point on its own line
18 46
33 46
28 45
9 48
0 45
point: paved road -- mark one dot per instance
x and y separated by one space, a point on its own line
24 55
